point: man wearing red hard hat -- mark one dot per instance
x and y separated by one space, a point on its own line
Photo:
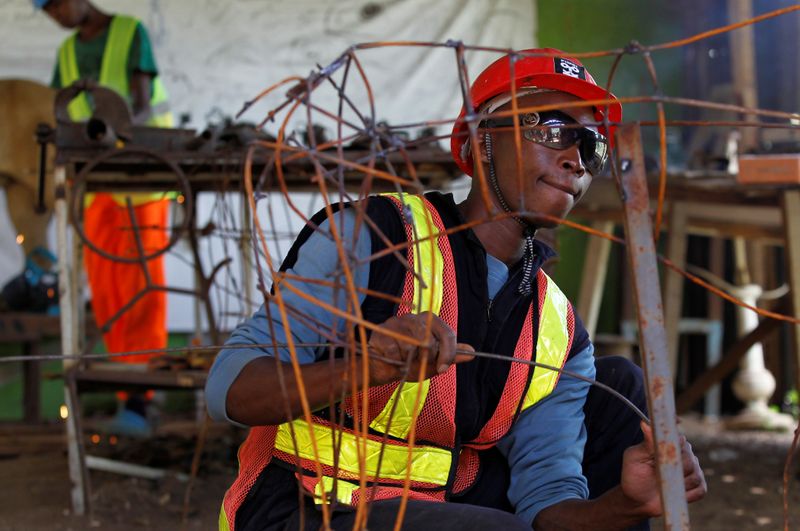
496 445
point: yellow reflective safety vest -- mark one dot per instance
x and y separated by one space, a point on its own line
113 72
347 465
114 75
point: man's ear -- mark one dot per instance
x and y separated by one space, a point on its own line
484 156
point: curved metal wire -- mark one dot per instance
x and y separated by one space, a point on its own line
387 162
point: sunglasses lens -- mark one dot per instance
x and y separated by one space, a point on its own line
554 131
594 152
593 146
553 136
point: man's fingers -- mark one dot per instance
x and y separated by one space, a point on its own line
438 351
463 358
697 493
442 351
690 462
648 437
696 487
463 353
693 481
465 349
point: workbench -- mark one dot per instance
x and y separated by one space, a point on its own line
697 203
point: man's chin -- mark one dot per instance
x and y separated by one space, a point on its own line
68 24
542 221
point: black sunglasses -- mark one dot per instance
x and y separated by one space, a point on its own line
557 130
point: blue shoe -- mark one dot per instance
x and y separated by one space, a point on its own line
129 423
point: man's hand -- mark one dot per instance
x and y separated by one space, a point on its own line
395 359
639 478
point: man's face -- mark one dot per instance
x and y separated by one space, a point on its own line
553 180
67 13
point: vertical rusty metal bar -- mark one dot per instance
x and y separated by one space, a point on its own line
632 184
245 247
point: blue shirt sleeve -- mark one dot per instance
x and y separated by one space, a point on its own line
317 259
544 448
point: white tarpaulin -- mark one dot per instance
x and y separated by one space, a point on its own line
214 56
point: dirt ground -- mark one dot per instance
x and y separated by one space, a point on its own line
744 472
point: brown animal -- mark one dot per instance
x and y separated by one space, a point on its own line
23 105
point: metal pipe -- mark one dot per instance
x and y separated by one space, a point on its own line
632 184
130 469
67 311
44 135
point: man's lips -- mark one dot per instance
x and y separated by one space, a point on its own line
574 191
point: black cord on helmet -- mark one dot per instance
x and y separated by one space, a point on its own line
525 286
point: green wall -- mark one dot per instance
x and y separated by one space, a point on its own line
590 25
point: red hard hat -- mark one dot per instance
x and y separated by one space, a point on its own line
566 74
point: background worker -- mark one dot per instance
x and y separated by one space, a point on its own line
115 51
513 447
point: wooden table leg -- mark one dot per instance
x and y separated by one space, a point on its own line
791 223
69 342
673 282
593 278
32 383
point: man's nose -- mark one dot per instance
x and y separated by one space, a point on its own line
570 160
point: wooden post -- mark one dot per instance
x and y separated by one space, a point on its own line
32 376
743 67
673 282
791 222
595 267
69 341
716 264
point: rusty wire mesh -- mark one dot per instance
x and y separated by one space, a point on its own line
388 164
379 172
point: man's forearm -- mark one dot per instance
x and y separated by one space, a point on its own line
140 97
256 397
611 511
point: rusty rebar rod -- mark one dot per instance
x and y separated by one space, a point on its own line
632 184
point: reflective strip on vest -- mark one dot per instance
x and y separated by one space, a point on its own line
428 295
114 69
428 260
344 490
429 464
223 520
551 345
159 106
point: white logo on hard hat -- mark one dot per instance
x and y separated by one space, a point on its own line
568 68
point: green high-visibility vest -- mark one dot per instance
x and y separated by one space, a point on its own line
113 72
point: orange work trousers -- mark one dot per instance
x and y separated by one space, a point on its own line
114 284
